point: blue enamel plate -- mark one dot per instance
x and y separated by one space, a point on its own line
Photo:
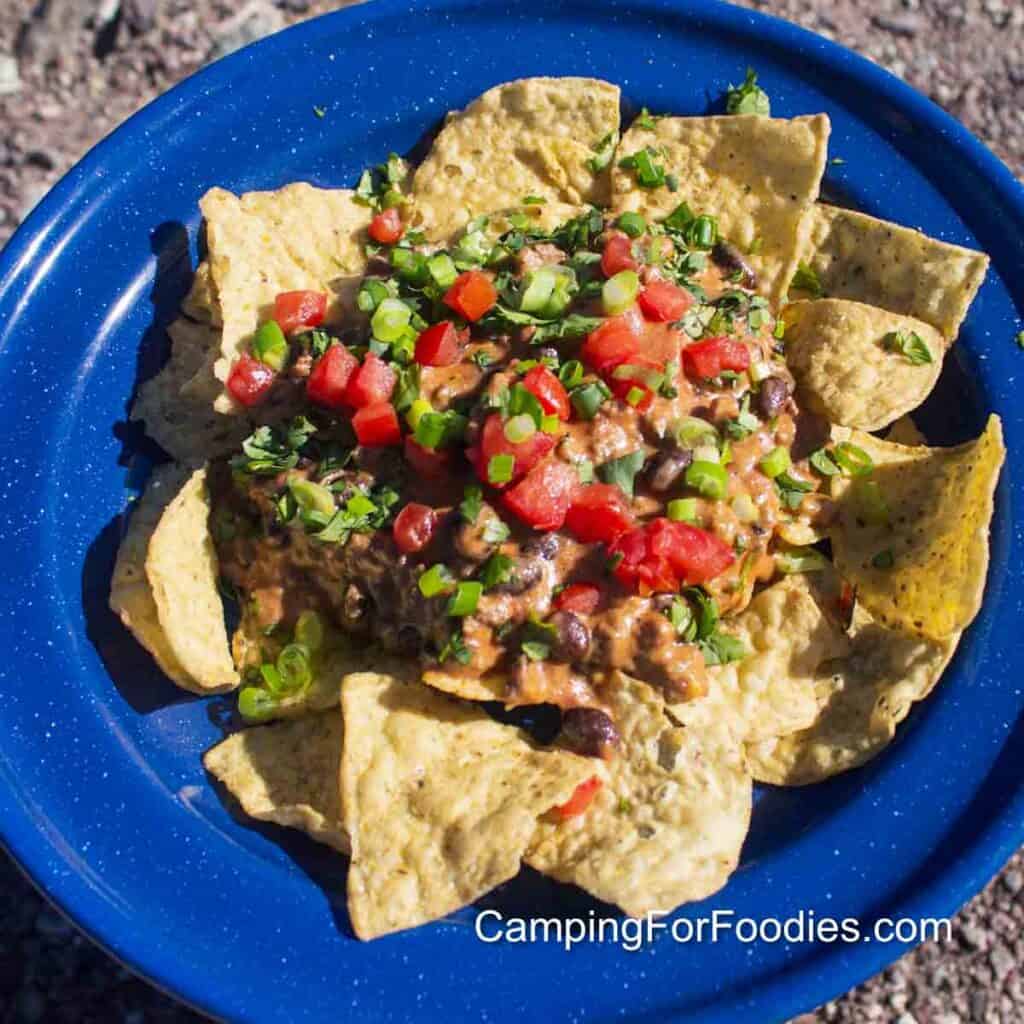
103 798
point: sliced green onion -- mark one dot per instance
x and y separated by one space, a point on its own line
571 373
270 346
519 428
372 293
256 704
390 320
464 601
703 232
635 395
586 400
540 284
309 630
419 408
745 508
795 560
436 580
410 265
442 269
293 669
311 497
853 459
550 424
759 370
775 462
682 510
632 223
645 375
692 431
620 292
821 462
500 468
708 478
471 250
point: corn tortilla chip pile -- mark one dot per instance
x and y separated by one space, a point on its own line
435 801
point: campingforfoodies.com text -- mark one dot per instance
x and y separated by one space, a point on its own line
719 926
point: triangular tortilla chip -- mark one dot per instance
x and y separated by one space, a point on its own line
846 368
863 697
757 175
787 637
533 137
263 243
131 597
668 824
921 568
181 566
287 773
873 261
440 801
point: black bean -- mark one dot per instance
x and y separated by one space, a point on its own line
668 467
354 605
728 257
772 395
589 732
572 638
545 546
410 641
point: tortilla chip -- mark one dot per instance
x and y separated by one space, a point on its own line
288 774
940 503
787 636
439 800
757 175
181 565
533 137
131 597
263 243
904 431
844 368
492 686
668 823
895 268
201 303
863 697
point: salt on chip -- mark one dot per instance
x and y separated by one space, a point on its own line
287 773
263 243
668 823
896 268
439 800
847 366
863 698
786 636
913 536
532 137
181 566
757 175
131 597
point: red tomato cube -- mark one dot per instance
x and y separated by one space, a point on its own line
548 390
250 380
438 345
664 301
472 295
541 499
386 226
377 425
295 310
373 382
599 512
327 383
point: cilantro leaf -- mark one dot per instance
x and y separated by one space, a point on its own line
623 470
748 98
806 280
910 345
604 150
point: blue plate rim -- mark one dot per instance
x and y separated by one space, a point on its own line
978 859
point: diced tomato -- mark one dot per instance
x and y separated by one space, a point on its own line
250 380
599 512
438 345
543 496
494 442
293 310
664 301
612 343
377 425
629 375
327 383
386 226
581 798
710 357
581 598
665 555
372 383
548 390
427 462
414 527
617 255
471 295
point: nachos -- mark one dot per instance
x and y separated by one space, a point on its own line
573 416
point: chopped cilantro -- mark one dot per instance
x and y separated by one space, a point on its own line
362 513
455 648
270 450
648 173
497 570
910 345
1020 339
535 650
806 280
645 120
748 98
472 503
623 470
319 111
604 150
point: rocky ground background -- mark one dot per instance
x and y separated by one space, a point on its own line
71 70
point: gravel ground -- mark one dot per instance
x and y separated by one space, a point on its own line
71 70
